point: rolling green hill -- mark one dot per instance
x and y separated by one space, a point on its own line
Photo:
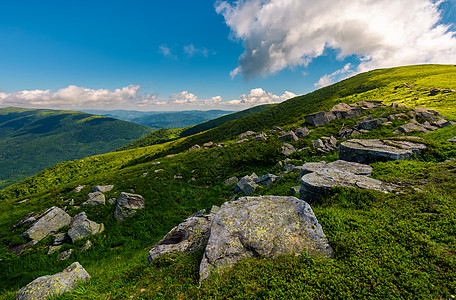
32 140
387 246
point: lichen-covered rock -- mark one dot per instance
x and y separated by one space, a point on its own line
52 220
81 227
366 151
342 165
189 236
247 184
410 127
264 226
59 239
57 284
287 149
127 205
318 183
102 188
65 255
94 199
231 180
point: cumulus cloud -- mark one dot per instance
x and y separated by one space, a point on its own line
328 79
277 34
191 50
259 96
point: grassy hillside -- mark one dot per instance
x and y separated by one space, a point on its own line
393 246
34 139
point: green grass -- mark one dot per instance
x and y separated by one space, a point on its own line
388 246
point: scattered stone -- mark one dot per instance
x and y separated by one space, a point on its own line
59 239
267 180
188 237
53 249
156 163
112 200
102 188
370 124
295 190
127 205
94 199
246 134
287 149
452 140
410 127
79 188
320 118
158 170
28 219
366 151
177 176
65 255
82 227
52 220
265 226
302 132
259 137
247 185
318 183
208 145
325 144
231 180
86 246
71 202
57 284
170 155
23 201
194 147
289 136
144 174
277 128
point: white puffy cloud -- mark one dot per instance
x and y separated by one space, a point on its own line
277 34
326 80
259 96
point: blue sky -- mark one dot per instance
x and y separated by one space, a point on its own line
176 55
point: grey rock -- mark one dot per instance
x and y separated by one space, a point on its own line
94 199
194 147
102 188
287 149
302 132
370 104
189 236
231 180
52 220
289 136
366 151
112 200
82 227
27 220
452 140
351 167
267 179
65 255
265 226
88 244
410 127
247 185
259 137
79 188
57 284
370 124
318 183
208 145
53 249
277 128
318 144
246 134
295 190
59 239
320 118
127 205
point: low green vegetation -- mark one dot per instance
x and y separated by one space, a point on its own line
388 246
32 140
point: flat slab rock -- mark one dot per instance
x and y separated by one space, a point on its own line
342 165
264 226
366 151
318 183
57 284
52 220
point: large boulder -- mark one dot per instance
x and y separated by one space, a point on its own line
342 165
52 220
318 183
189 236
57 284
81 227
127 205
94 199
366 151
265 226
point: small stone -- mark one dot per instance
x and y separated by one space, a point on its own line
194 147
79 188
158 170
208 145
156 163
102 188
452 140
302 132
86 246
289 136
65 255
246 134
177 176
59 239
94 199
144 174
53 249
231 180
287 149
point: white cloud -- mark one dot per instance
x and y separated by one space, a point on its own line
277 34
191 50
326 80
166 51
259 96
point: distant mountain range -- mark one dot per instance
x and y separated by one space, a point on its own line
159 120
34 139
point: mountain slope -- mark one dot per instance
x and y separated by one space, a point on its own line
387 245
32 140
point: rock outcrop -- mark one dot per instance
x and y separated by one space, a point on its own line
366 151
94 199
264 226
127 205
189 236
52 220
57 284
315 185
81 227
